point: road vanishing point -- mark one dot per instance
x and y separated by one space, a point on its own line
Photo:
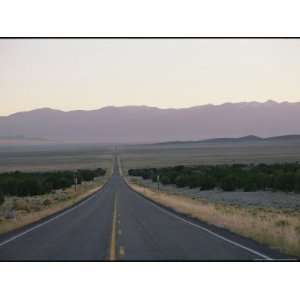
118 224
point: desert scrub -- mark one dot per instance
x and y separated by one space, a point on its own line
22 204
275 228
33 208
47 202
282 223
39 183
2 199
228 177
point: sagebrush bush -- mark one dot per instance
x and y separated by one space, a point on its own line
21 204
47 202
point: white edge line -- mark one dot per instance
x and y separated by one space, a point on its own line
205 229
48 221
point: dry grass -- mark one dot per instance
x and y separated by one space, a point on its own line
31 209
277 229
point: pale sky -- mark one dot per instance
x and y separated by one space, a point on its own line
90 74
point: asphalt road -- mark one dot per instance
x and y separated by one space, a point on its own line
116 223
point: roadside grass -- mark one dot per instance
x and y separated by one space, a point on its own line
31 209
279 229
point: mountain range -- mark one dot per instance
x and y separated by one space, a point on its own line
243 139
143 124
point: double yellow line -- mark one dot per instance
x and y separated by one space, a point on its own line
112 247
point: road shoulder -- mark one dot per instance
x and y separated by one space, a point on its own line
24 221
242 222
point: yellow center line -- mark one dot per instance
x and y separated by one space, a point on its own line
112 248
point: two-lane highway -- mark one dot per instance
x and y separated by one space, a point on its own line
116 223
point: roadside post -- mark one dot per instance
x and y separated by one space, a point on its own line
157 179
75 181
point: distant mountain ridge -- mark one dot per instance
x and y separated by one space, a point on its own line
143 124
248 138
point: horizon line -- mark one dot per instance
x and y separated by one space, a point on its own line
149 106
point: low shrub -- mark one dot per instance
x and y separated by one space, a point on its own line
39 183
21 204
282 223
47 202
2 198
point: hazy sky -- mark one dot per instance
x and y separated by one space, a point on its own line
90 74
